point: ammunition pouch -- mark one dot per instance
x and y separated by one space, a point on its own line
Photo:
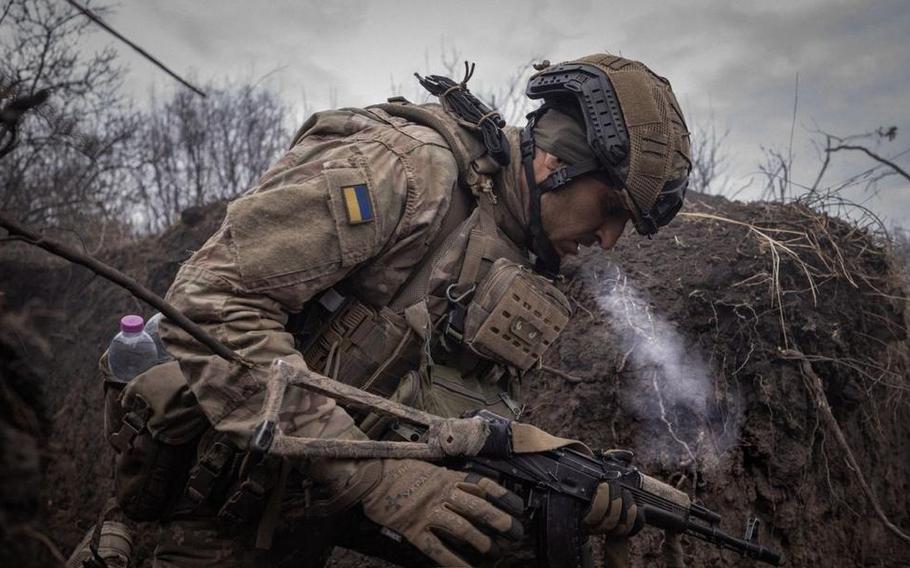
365 347
514 315
226 484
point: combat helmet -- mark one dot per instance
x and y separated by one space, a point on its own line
634 127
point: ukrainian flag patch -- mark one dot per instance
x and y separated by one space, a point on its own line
357 203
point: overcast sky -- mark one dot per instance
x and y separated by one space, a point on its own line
735 61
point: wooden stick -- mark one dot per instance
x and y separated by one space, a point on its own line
347 394
814 383
117 277
298 447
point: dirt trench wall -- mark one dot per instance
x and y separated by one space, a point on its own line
760 446
745 438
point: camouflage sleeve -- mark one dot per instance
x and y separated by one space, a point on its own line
307 226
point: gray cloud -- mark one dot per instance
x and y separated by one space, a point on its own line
738 60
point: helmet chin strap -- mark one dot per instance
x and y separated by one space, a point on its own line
547 258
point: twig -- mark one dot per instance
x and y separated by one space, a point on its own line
792 130
874 156
561 374
125 281
774 245
88 14
814 384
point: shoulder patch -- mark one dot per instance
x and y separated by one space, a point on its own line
358 203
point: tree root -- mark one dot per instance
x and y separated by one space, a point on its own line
814 384
561 374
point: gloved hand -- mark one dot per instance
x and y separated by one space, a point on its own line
434 508
613 512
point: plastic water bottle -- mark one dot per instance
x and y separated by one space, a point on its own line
151 328
132 351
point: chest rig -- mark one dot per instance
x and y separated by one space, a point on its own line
470 318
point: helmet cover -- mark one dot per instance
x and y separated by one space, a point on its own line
634 126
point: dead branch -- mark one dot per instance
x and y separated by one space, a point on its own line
814 384
561 374
91 16
872 155
125 281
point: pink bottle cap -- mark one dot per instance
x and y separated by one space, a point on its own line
131 323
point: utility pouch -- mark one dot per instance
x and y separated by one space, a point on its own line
514 315
445 392
366 347
153 423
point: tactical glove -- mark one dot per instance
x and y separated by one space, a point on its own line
613 512
438 509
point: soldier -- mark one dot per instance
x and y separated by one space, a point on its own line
367 252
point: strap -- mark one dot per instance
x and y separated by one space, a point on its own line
480 244
414 288
530 439
475 168
564 175
109 511
271 516
131 425
213 464
244 503
547 258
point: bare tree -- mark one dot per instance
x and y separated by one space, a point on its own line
68 162
194 151
509 97
777 170
709 162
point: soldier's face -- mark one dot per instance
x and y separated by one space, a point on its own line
583 213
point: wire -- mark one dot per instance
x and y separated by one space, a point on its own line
91 16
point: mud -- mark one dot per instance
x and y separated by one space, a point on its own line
717 408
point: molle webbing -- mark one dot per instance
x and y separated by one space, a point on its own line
371 347
475 171
415 287
464 146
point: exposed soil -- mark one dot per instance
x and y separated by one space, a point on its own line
749 441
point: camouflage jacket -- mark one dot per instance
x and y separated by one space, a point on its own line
359 198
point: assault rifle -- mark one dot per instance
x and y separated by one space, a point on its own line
558 485
557 482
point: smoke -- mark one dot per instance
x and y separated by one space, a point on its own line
672 386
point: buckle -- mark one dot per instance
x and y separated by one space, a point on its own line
450 294
132 424
243 504
210 467
510 403
455 322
